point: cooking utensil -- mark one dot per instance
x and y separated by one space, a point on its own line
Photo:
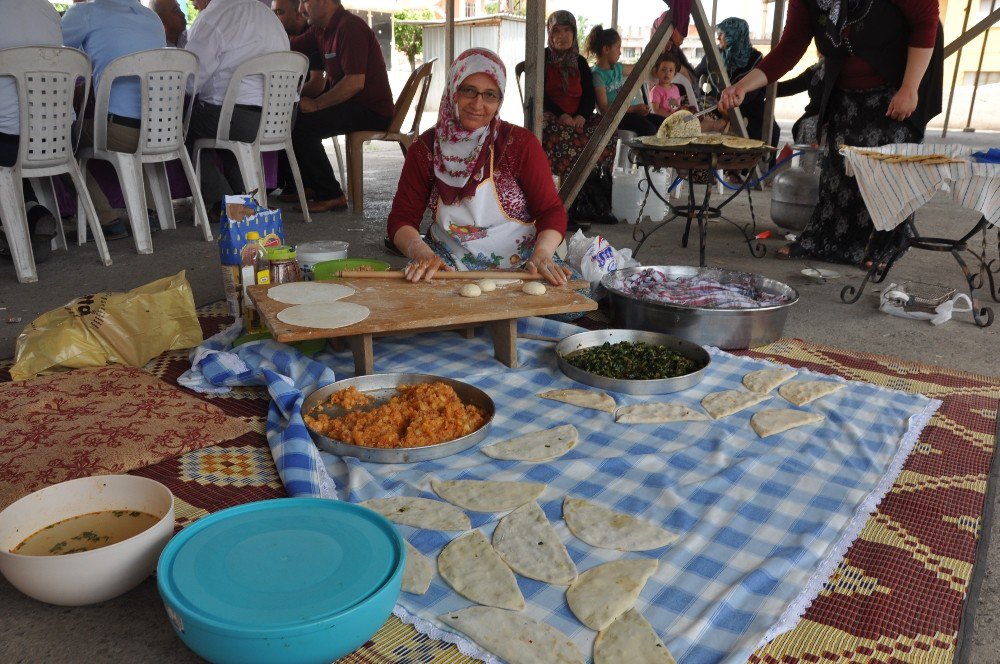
723 328
695 116
582 340
441 274
383 387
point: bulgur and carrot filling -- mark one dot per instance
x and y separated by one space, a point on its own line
422 414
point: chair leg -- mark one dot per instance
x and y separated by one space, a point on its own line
129 171
81 212
250 170
297 177
159 187
88 206
46 193
200 215
15 225
340 162
355 167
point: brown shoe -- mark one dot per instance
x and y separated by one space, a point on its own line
293 196
331 205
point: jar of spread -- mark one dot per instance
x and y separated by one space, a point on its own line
284 268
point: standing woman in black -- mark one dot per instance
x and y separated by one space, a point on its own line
881 85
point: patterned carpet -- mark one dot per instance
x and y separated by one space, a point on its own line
898 595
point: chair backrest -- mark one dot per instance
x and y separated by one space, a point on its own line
163 75
681 81
283 75
417 84
46 78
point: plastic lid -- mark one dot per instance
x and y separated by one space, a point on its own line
253 235
282 252
281 565
322 247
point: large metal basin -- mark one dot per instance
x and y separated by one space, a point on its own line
729 329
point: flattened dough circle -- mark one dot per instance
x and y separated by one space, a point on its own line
324 316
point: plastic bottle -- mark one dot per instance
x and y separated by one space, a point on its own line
255 269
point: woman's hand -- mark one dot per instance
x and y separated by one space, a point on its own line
640 109
579 121
903 103
567 120
731 97
424 263
541 262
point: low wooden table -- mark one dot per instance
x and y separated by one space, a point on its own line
399 307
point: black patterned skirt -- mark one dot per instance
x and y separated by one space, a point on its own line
563 144
841 230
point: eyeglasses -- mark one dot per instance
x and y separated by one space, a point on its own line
489 96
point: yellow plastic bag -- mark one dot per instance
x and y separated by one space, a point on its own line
110 328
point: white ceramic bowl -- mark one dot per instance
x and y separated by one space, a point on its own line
86 577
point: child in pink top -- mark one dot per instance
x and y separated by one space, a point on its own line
665 97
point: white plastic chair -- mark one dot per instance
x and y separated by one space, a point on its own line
163 76
681 81
46 79
283 75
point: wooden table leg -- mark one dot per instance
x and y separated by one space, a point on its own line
505 341
364 356
468 332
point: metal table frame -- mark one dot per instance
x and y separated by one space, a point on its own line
693 157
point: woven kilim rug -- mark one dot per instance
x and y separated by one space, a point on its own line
898 595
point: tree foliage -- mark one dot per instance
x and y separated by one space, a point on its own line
410 38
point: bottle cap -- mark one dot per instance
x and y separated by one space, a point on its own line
253 235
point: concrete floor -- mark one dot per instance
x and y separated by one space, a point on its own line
133 627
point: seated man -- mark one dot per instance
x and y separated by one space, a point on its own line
358 97
173 19
105 30
295 24
226 34
25 23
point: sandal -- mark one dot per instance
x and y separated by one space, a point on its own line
790 251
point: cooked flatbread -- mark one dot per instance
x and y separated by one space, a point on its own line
487 496
776 420
309 292
529 544
471 566
669 142
710 139
630 638
514 637
542 445
802 392
602 527
325 316
656 413
740 143
420 513
677 125
582 398
418 572
728 402
765 380
603 593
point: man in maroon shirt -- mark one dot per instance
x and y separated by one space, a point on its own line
358 97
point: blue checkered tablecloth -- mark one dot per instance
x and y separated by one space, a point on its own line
762 522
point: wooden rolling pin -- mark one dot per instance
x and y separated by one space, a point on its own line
441 274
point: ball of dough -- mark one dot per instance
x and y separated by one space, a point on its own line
487 285
470 290
534 288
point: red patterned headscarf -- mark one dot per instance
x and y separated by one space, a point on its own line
460 155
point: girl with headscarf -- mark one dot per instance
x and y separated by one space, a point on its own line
492 200
881 83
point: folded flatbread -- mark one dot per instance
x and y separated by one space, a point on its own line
582 398
728 402
765 380
420 513
513 636
543 445
418 573
769 422
602 527
471 566
529 544
802 392
481 496
603 593
656 413
630 638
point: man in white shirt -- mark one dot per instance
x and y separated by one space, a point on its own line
25 23
226 34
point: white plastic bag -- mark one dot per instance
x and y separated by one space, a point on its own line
893 302
594 257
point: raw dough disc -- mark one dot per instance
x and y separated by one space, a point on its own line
309 292
534 288
470 290
324 316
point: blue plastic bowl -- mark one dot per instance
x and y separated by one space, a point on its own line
287 580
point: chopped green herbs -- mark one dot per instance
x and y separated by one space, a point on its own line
627 360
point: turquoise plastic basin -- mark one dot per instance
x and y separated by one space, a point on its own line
287 580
